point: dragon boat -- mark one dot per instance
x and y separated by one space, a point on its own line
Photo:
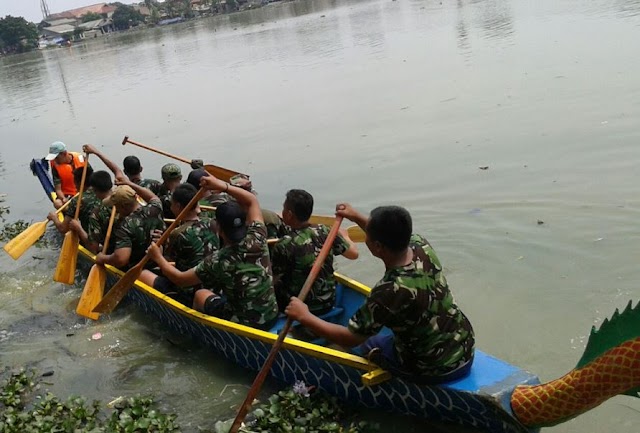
495 397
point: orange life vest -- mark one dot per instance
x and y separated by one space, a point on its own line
65 173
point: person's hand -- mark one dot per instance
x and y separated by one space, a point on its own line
52 216
345 210
89 149
213 183
101 259
197 163
296 309
122 180
156 235
75 225
155 252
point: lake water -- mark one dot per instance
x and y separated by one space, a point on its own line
372 102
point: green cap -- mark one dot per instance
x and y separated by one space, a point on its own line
171 171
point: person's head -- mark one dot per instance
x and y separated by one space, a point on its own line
101 184
231 222
171 176
77 176
297 207
388 230
195 176
123 198
58 152
132 167
181 197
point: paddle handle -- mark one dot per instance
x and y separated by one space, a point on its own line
306 288
84 177
126 140
106 238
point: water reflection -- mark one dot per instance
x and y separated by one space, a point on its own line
21 76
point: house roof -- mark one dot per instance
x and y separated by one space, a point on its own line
61 29
98 8
95 24
60 21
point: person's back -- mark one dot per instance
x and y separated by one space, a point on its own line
293 256
191 242
133 170
432 336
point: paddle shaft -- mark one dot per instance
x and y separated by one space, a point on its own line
306 288
120 289
63 207
84 177
126 140
108 235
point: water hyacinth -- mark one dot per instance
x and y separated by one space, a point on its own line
301 388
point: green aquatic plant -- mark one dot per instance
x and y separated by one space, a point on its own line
23 410
300 410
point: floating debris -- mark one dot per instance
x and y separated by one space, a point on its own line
484 167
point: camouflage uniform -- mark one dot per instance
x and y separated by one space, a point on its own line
161 191
275 227
242 272
134 230
432 337
215 200
293 258
93 215
150 184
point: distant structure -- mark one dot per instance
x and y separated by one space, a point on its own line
44 7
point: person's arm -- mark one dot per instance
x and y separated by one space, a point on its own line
177 277
74 225
119 258
246 199
338 334
62 226
146 194
345 210
88 148
351 252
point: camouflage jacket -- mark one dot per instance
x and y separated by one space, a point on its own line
164 195
92 212
191 242
275 226
134 231
150 184
293 257
432 336
98 225
215 200
242 272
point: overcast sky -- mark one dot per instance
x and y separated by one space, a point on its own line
30 9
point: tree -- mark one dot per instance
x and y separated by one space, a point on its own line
126 16
90 16
17 34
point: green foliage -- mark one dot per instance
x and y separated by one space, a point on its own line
20 412
17 34
293 411
126 16
90 16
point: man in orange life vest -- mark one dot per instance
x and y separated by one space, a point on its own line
62 165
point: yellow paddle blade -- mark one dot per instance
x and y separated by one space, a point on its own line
66 269
92 293
21 243
119 290
357 234
220 172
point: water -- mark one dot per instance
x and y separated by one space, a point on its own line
370 102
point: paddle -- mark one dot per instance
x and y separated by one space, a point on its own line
94 287
219 172
120 289
257 383
66 268
17 246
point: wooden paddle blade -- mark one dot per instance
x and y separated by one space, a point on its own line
66 269
25 240
356 234
119 290
220 172
92 293
322 219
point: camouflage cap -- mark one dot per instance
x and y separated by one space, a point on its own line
171 171
121 195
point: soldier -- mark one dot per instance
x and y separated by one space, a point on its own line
171 178
133 170
92 211
293 256
133 232
432 340
210 198
193 240
240 270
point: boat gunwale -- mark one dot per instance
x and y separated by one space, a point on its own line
289 343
